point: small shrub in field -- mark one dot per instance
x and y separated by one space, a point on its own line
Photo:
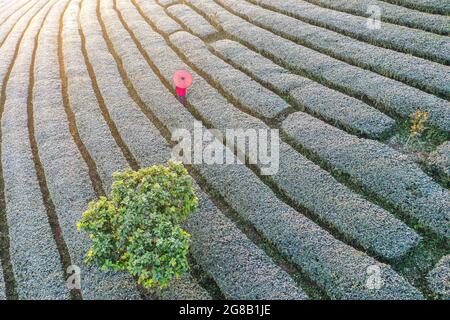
418 120
138 228
415 138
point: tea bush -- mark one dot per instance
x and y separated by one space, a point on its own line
138 228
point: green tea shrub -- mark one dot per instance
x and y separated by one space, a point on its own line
138 228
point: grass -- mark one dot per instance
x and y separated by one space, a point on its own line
418 145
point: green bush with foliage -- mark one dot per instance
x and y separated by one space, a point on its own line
138 228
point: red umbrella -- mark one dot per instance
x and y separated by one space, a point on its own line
182 79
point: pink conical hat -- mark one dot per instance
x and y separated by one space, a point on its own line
182 79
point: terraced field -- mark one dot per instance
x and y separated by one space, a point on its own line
86 90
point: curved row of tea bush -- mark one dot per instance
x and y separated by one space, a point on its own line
414 71
7 26
60 158
439 161
297 177
235 183
192 20
432 6
240 283
386 94
331 105
439 278
34 255
391 13
377 167
411 41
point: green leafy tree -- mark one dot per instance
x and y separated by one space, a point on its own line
138 228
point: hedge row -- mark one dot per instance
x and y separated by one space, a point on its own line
11 19
218 109
34 255
7 49
227 262
92 128
294 235
391 13
297 176
10 8
439 161
387 94
136 133
439 278
154 148
194 22
418 72
185 288
432 6
347 112
66 172
377 167
166 3
2 285
160 18
239 86
412 41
